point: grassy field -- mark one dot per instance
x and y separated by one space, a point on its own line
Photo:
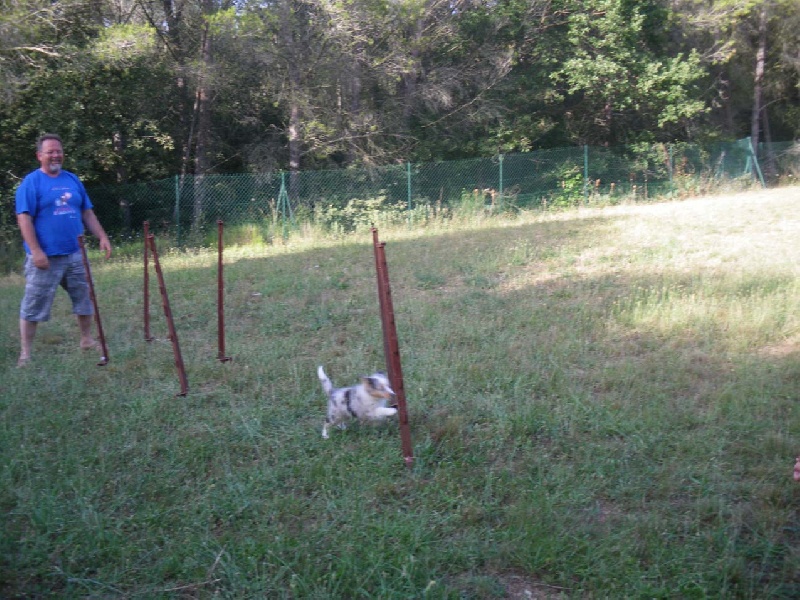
603 404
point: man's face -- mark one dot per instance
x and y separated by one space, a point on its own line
51 156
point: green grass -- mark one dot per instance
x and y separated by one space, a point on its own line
603 404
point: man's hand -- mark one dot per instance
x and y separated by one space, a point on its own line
40 260
28 232
93 225
105 245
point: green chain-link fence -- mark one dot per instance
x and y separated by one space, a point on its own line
345 199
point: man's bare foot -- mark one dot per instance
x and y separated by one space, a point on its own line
23 361
89 344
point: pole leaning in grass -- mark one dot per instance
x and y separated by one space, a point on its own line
173 334
391 346
89 280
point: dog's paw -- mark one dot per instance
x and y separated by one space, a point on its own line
384 412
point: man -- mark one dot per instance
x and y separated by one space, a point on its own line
52 210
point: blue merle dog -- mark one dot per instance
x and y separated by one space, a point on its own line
365 401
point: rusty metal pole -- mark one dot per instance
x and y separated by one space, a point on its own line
220 297
173 334
382 302
392 348
147 336
89 280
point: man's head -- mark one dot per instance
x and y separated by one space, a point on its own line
50 153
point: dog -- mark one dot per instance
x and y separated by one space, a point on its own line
366 401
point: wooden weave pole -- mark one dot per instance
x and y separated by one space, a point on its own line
173 334
89 280
391 346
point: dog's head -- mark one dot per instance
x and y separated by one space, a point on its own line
377 385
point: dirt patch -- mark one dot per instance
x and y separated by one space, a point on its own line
781 349
520 587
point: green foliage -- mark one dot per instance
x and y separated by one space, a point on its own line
11 252
124 44
104 104
359 215
290 85
571 188
471 203
632 89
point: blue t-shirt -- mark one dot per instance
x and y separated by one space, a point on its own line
56 205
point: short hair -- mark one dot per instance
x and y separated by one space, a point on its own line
47 136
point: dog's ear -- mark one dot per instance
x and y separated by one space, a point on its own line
373 384
377 385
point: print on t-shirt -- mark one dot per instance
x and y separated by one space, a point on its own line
62 205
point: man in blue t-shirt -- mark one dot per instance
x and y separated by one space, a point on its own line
52 210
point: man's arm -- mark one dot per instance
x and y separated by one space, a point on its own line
93 225
28 231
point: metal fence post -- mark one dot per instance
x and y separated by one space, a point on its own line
284 206
755 162
586 173
220 297
177 209
408 189
670 163
500 188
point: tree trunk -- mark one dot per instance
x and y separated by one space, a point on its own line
118 143
758 82
291 40
771 166
352 118
201 151
411 75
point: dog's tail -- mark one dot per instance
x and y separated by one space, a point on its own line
323 379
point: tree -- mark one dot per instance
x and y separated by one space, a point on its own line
615 85
452 57
145 88
748 47
83 77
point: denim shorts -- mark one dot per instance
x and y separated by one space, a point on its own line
41 285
